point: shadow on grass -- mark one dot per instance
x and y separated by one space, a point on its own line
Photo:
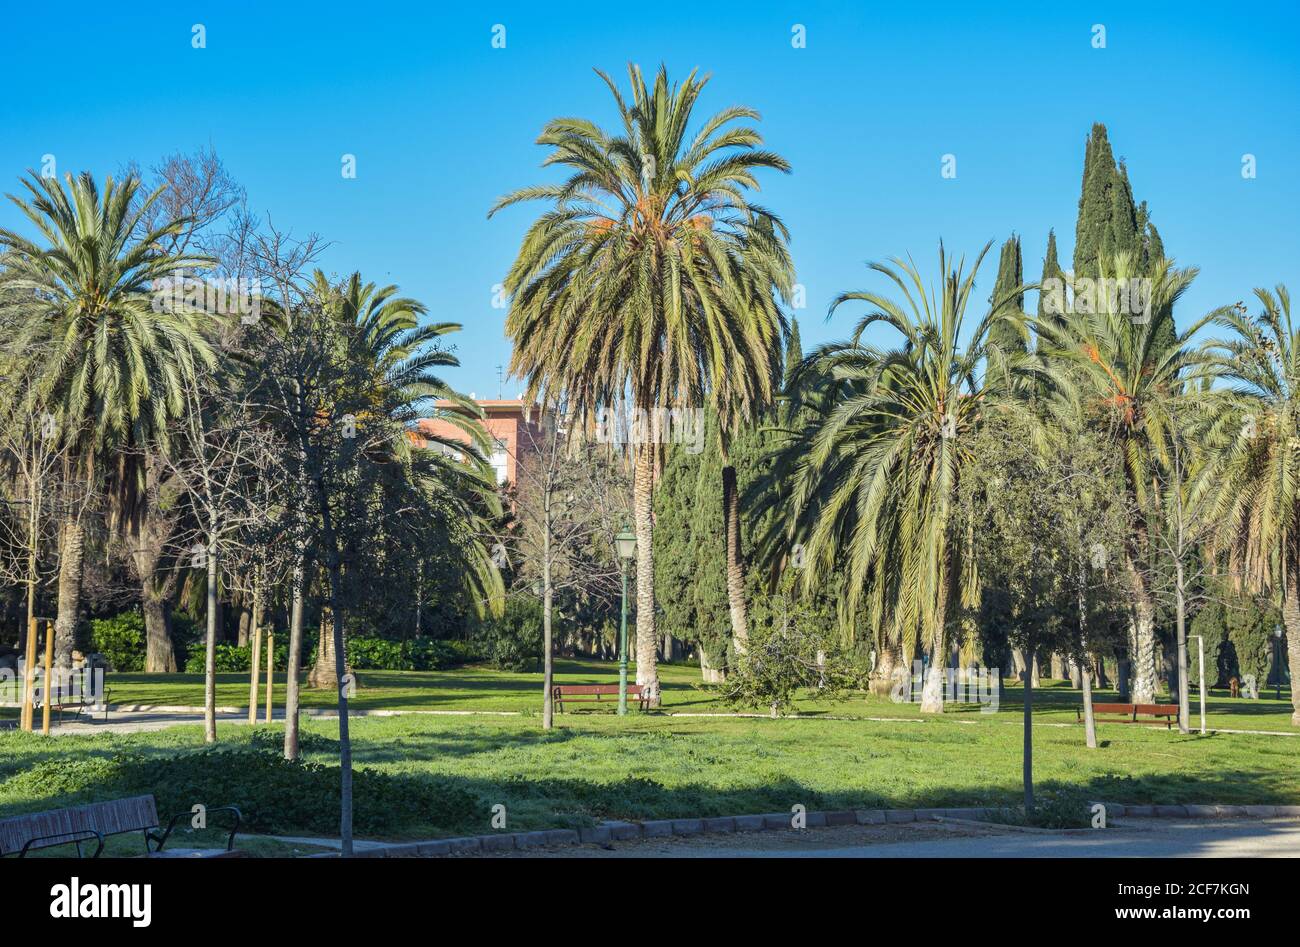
302 798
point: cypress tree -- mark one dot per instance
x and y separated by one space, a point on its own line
1107 222
1008 302
793 350
1051 270
1110 222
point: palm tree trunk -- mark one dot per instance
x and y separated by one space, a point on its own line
1291 619
647 642
735 563
210 653
159 654
1142 637
1059 670
889 660
155 601
72 550
1144 655
151 530
709 673
932 689
324 673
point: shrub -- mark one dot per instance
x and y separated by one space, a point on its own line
120 639
416 654
227 658
512 642
376 653
275 795
231 658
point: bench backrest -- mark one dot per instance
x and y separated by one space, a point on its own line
1112 708
1149 710
1157 709
633 690
133 814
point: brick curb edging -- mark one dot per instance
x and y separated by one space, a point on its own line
620 831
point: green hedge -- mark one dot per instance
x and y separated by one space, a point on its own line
120 639
274 795
378 654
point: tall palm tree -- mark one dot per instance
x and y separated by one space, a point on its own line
875 470
649 278
1134 380
107 363
1251 482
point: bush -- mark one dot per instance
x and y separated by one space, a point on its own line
227 658
512 642
120 639
376 653
275 795
231 658
416 654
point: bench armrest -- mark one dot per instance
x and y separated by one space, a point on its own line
84 835
161 840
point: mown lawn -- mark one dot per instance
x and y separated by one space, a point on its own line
485 689
596 766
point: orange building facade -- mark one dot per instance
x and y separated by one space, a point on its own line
514 427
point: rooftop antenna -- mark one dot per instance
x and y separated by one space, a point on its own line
501 383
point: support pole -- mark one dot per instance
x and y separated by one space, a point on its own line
1200 650
622 649
48 690
270 670
29 678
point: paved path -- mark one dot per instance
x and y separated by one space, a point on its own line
1127 838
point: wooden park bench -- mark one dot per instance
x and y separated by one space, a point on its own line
72 700
97 821
1129 713
582 693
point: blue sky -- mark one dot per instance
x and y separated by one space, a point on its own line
441 123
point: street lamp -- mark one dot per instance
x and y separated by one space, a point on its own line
1200 651
1277 661
625 545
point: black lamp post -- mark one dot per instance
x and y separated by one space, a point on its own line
625 545
1277 661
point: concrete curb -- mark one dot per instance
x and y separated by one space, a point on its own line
607 832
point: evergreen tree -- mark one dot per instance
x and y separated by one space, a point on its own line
1107 222
1008 300
1110 222
793 350
1051 271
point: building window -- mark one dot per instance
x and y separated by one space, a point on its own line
499 459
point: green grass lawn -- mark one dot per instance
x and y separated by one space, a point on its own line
597 765
484 689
